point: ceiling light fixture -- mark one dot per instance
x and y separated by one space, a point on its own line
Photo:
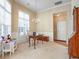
36 20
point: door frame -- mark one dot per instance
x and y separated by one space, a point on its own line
55 29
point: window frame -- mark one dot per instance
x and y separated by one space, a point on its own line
25 20
7 12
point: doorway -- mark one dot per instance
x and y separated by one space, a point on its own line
60 26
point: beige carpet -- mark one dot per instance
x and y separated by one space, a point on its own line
47 50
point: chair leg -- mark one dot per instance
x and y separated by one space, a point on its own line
2 55
10 53
13 51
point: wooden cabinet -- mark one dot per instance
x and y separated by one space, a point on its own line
77 19
73 46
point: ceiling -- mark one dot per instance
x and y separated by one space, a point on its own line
39 5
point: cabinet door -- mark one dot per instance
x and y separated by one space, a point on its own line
72 46
77 44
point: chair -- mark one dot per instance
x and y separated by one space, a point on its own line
15 43
14 37
0 45
7 47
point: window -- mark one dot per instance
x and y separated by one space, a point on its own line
5 17
23 25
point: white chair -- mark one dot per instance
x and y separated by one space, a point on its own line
7 47
14 37
0 46
14 43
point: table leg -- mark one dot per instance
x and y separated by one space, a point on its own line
34 43
42 40
29 41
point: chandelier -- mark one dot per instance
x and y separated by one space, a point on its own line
35 19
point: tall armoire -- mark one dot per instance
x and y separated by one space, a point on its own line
73 44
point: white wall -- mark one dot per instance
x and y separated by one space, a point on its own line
16 7
70 22
75 3
46 20
45 26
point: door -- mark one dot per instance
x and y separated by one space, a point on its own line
61 30
60 26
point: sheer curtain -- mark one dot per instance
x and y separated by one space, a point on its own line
23 26
5 17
